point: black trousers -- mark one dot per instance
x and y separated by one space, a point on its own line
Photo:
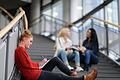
56 62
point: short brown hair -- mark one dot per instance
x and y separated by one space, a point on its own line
26 33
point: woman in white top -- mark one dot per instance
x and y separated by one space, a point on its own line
63 50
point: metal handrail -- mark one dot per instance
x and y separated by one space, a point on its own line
25 19
1 8
107 22
13 22
42 15
55 18
81 23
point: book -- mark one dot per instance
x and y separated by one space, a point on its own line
44 63
74 48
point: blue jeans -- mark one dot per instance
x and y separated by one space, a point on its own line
70 56
90 57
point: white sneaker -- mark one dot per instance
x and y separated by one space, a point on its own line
70 67
78 69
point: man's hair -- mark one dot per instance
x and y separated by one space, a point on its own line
26 33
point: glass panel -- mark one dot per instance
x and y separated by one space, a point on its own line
113 42
101 33
47 12
89 5
112 12
83 29
113 33
99 14
2 59
76 10
55 10
53 17
58 10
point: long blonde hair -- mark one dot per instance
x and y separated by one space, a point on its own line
63 33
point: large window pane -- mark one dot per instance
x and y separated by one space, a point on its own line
76 10
89 5
112 13
58 10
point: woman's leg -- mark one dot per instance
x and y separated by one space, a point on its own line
94 59
76 57
46 75
57 62
63 56
87 56
87 59
82 58
90 57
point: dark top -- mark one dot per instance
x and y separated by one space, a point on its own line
94 46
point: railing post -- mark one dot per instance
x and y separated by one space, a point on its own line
92 23
118 5
19 31
6 62
55 29
80 34
106 33
107 39
44 24
79 37
52 25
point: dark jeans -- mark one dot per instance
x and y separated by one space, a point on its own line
48 75
89 58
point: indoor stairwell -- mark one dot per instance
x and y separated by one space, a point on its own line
43 47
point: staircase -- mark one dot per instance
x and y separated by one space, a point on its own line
43 47
107 69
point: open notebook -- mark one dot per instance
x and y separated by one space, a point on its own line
42 65
74 48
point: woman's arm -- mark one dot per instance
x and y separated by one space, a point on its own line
25 60
60 43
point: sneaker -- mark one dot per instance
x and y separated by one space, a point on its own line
78 69
71 68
